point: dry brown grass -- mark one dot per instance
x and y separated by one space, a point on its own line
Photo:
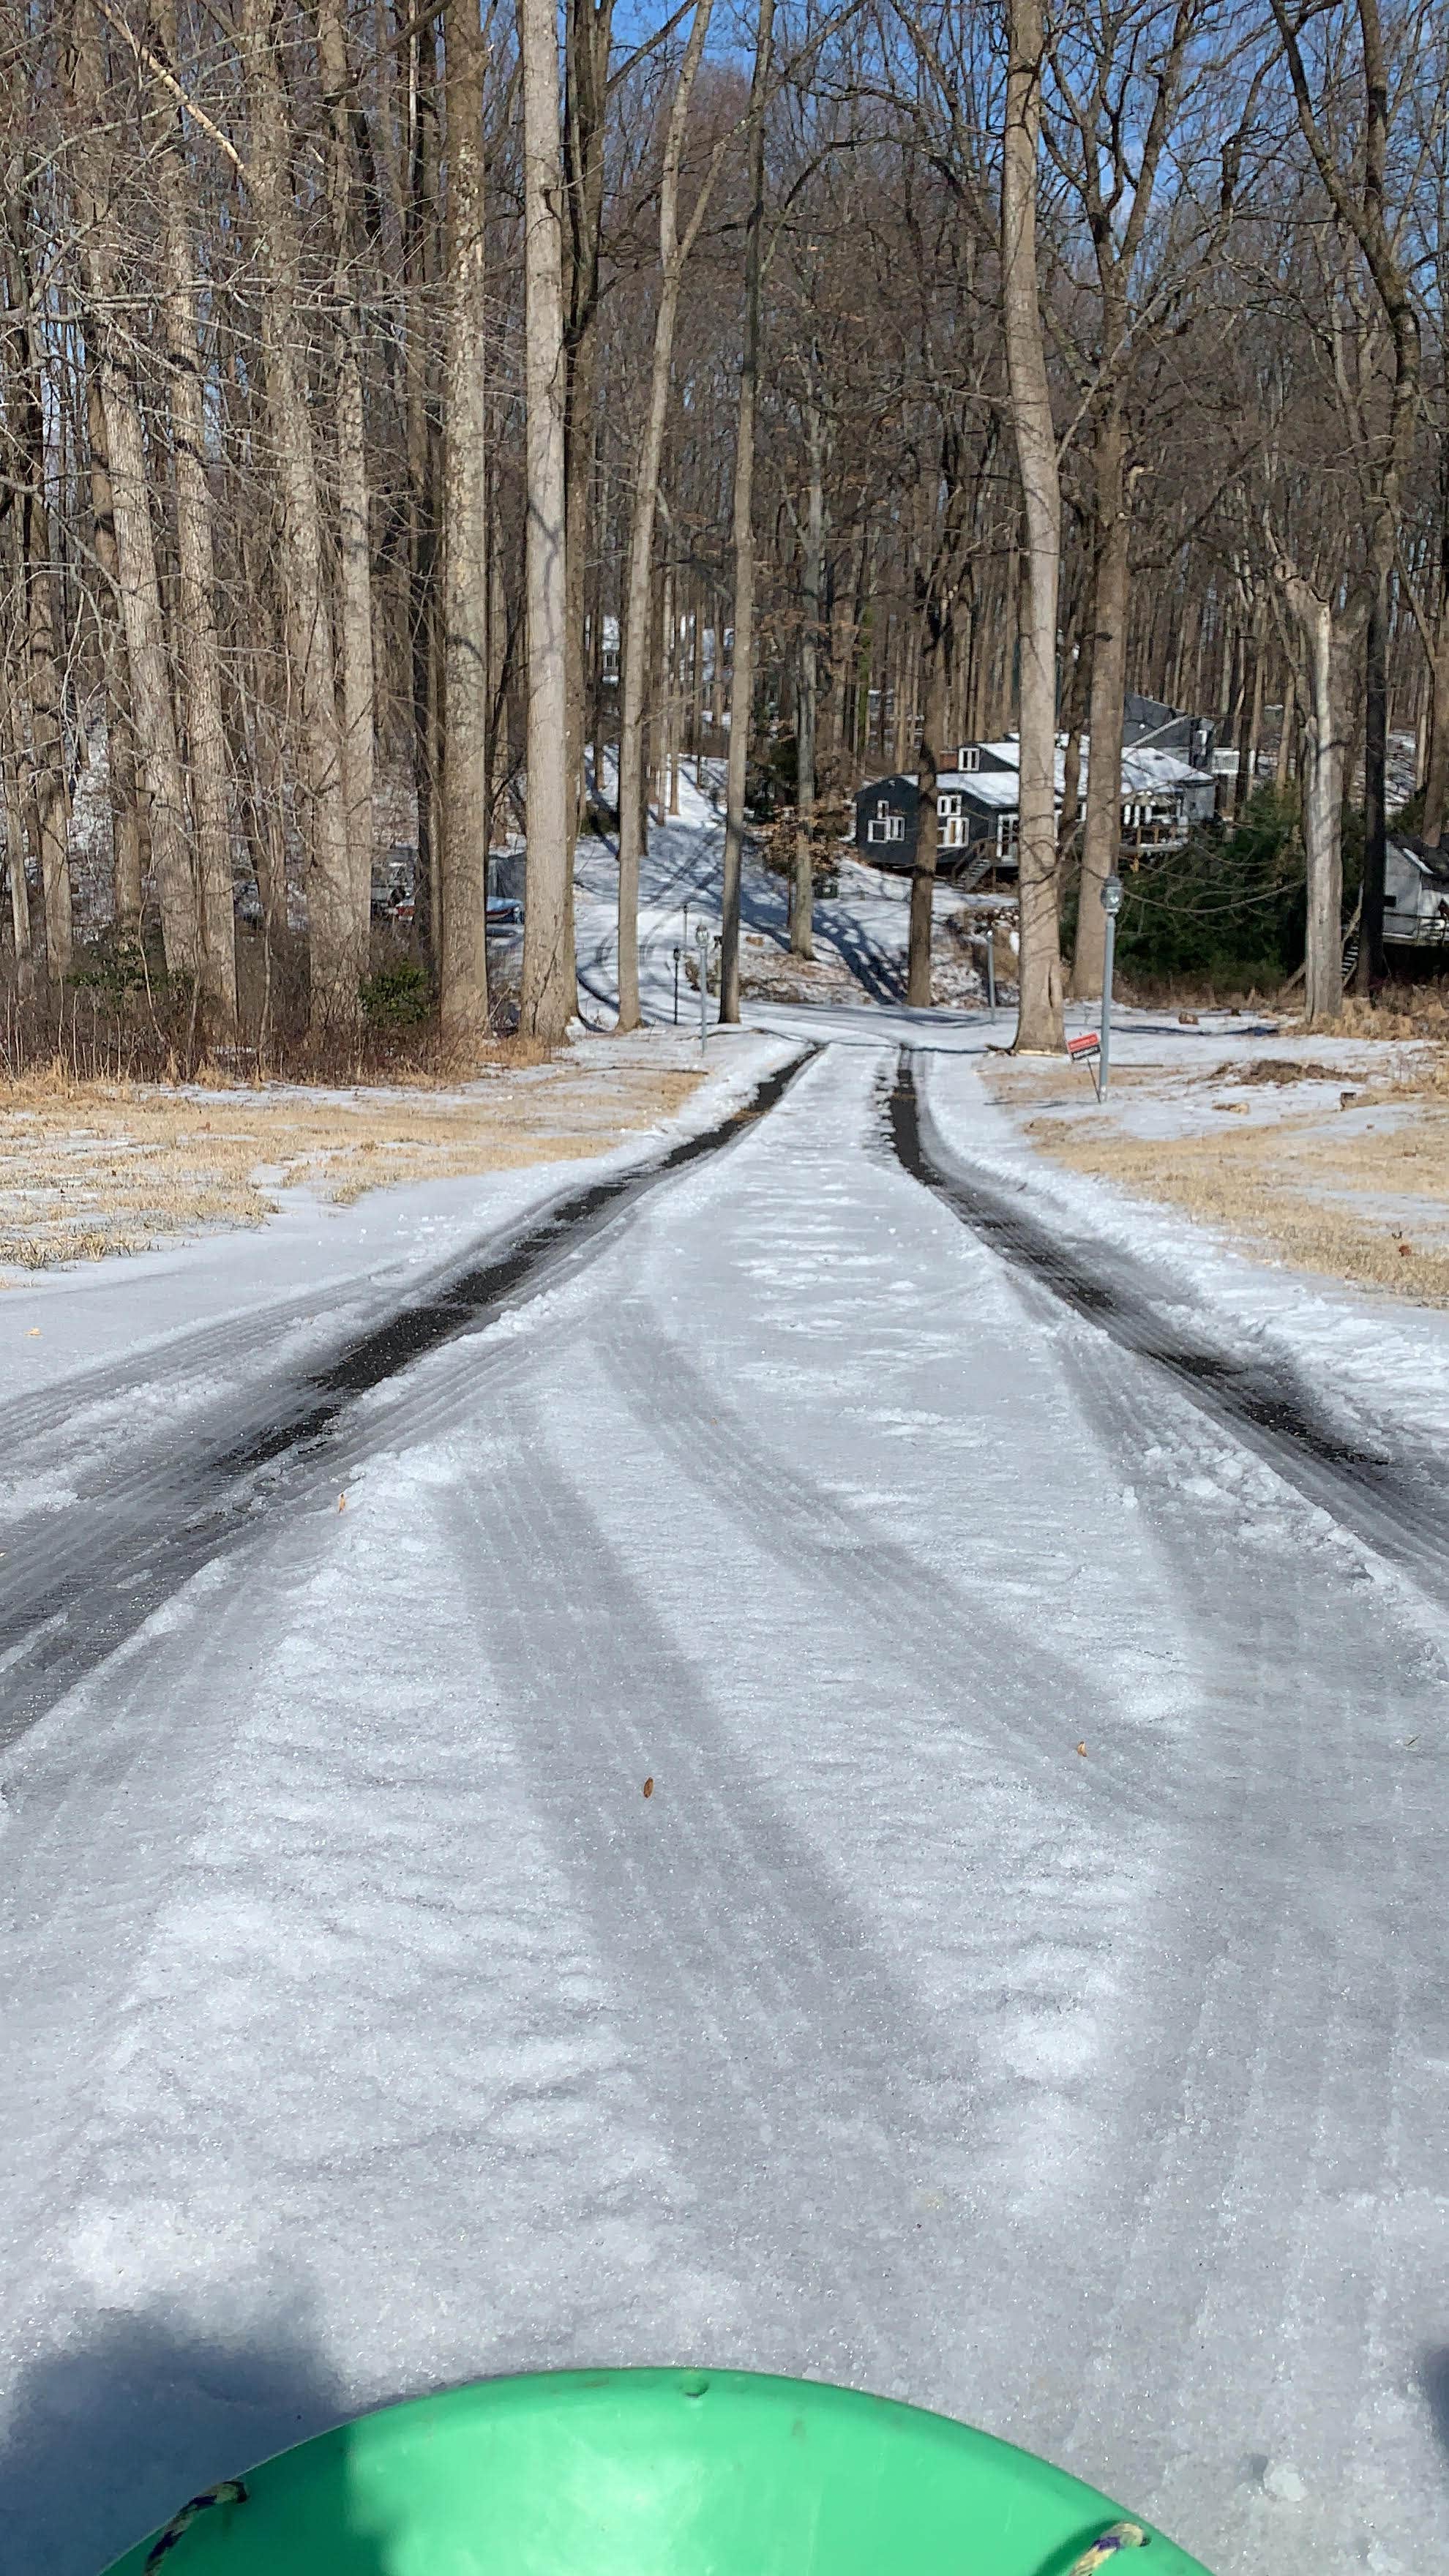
93 1168
1362 1201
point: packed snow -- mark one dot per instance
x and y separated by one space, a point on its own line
1021 1993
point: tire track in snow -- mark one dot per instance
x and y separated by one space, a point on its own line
828 1554
751 1986
73 1593
1288 2286
1376 1496
1228 2098
1319 1973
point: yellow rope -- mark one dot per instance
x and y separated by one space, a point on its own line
230 2491
1123 2535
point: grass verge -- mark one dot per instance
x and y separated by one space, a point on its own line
91 1168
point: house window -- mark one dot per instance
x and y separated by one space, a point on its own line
952 812
883 826
969 756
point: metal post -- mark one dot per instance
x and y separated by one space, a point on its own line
676 987
1111 905
991 973
701 944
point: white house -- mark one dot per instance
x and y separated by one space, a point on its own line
1416 894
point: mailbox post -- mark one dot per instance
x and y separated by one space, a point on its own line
1111 905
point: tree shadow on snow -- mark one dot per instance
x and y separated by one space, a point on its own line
1434 2381
112 2432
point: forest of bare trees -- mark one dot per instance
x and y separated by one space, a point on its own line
423 429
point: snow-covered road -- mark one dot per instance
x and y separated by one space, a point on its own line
1022 1990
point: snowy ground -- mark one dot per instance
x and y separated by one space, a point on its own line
1022 1991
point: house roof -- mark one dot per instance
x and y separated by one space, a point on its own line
1433 864
1145 770
998 788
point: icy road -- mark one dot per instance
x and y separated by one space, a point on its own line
1021 1990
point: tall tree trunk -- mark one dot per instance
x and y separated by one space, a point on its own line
199 662
638 601
422 434
742 673
1250 708
1325 736
1039 1020
22 429
463 943
354 589
43 642
338 959
812 553
589 28
1283 765
919 994
549 981
1369 970
1102 823
1436 775
12 801
141 609
127 861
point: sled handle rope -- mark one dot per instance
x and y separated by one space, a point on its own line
230 2491
1122 2535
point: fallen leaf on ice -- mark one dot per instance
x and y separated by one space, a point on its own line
342 1502
1081 1748
34 1333
649 1786
1406 1249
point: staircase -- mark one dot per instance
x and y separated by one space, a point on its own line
975 869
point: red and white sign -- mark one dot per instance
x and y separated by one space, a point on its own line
1088 1044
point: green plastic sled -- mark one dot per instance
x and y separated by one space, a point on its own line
649 2473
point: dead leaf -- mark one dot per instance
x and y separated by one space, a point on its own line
1081 1748
1406 1248
342 1502
649 1786
34 1333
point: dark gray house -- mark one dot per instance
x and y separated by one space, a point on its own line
1148 725
977 819
1163 796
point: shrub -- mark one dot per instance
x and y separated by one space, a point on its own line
398 997
1227 909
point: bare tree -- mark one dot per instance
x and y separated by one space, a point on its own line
463 953
1331 627
742 658
354 588
1039 1021
338 960
674 249
812 549
549 991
